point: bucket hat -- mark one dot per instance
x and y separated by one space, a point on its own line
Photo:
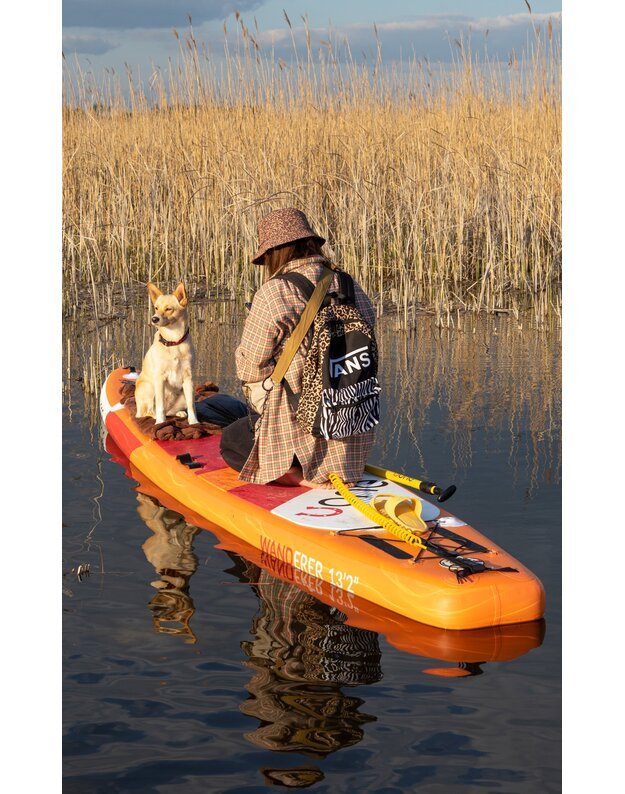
281 227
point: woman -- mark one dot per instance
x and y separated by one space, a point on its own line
274 447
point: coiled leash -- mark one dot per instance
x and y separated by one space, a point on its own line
373 515
460 565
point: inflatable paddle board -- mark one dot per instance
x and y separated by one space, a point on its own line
319 535
463 648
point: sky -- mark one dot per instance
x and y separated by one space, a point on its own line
110 33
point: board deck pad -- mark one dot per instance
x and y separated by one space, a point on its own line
317 508
323 509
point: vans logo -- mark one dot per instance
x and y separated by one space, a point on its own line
356 360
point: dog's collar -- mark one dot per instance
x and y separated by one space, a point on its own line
173 344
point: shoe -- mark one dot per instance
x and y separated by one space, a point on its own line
404 510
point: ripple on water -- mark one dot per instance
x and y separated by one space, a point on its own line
239 683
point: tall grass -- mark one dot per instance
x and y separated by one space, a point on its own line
437 188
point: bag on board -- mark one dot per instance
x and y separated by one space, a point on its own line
340 389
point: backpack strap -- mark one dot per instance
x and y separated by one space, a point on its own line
303 326
300 281
345 294
346 286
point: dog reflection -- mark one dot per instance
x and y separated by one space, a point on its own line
303 654
170 551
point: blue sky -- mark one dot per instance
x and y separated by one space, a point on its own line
110 33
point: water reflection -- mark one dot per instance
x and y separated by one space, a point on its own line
463 670
301 777
485 375
170 551
303 653
456 402
308 646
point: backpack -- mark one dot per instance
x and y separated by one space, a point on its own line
340 389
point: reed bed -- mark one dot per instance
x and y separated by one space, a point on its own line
439 189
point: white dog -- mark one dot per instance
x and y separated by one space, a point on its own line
165 385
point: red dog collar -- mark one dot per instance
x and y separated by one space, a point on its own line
173 344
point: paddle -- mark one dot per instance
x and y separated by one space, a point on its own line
421 485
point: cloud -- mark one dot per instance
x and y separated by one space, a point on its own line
88 45
430 37
126 14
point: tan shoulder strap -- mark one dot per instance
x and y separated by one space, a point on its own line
301 329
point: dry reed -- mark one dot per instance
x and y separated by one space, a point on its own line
438 190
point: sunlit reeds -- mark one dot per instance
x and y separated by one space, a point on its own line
439 189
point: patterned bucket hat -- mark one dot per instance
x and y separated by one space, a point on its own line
281 227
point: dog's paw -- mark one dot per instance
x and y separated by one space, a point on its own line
193 420
181 414
160 419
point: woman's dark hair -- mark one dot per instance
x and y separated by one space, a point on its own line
276 258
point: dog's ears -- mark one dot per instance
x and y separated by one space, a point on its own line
181 295
154 292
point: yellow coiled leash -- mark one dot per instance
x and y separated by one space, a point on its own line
373 515
462 566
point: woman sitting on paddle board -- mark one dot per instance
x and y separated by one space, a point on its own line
274 445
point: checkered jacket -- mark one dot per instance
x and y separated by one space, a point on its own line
275 312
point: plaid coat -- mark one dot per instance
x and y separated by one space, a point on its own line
275 312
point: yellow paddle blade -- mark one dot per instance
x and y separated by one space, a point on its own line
407 512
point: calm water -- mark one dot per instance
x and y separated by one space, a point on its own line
213 676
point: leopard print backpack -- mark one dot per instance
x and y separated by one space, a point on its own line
340 389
